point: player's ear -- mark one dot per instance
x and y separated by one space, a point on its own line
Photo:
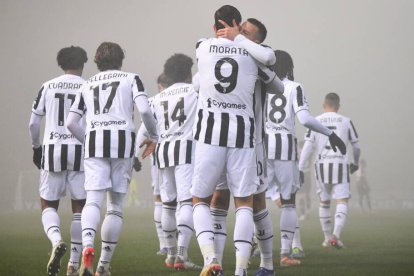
215 28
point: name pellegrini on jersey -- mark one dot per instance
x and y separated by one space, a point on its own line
106 123
108 76
224 105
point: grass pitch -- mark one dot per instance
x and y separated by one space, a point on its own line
378 243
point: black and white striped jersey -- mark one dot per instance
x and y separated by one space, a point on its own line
107 99
227 76
332 167
61 150
175 109
280 134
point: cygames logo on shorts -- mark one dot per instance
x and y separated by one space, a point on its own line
224 105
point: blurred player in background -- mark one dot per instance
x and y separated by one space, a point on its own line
363 189
304 203
332 169
60 160
107 99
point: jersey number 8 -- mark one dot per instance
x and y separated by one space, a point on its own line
277 104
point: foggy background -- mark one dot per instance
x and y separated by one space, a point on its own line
360 49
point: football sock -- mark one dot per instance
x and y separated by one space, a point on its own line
325 219
243 234
340 218
91 216
157 221
288 219
51 225
203 225
219 217
297 242
185 228
264 236
169 227
110 232
75 239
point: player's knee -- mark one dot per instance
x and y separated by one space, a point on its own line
170 203
49 204
291 200
77 205
259 202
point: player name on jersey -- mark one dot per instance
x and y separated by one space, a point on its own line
228 50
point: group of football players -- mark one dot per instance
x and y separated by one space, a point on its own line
229 130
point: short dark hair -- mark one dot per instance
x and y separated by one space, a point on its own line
227 13
262 31
163 80
109 56
178 67
284 65
332 99
72 57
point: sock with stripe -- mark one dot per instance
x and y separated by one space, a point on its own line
325 220
219 217
185 228
75 240
157 221
169 227
340 218
91 216
203 226
297 242
264 236
110 232
51 225
243 235
288 219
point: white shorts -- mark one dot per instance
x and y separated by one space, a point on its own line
214 164
327 192
272 193
176 183
108 173
156 179
284 174
53 185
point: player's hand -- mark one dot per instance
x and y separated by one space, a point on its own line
336 142
149 147
137 164
37 156
353 168
301 177
229 32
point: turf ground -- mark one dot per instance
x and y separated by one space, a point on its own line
378 243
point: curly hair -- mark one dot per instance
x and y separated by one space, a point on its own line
109 56
178 67
70 58
284 65
164 81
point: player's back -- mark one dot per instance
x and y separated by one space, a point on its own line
108 99
175 109
227 75
281 109
61 149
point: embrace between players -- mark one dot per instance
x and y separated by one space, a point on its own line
229 130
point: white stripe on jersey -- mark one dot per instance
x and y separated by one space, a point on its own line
280 133
61 150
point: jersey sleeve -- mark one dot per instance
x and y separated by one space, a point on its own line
353 135
299 100
310 135
196 82
78 105
263 54
138 88
39 107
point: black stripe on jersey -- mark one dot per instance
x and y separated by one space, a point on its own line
106 143
156 155
189 152
81 105
121 143
224 129
251 132
200 118
353 128
321 173
347 173
349 134
78 155
177 152
296 150
240 132
198 43
278 149
64 157
50 158
139 84
330 173
165 153
290 146
331 127
340 173
308 134
43 158
92 137
316 172
209 129
131 153
263 76
299 95
39 95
